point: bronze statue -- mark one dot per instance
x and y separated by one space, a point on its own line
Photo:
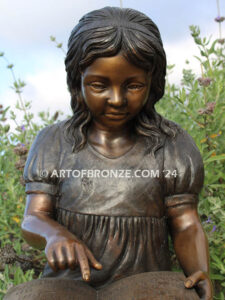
105 187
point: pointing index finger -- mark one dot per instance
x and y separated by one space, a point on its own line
83 262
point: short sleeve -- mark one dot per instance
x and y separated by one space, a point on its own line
183 170
42 160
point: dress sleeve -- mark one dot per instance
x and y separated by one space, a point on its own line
42 161
183 170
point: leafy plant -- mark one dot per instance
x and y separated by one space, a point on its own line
199 107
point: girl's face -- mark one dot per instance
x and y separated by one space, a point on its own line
114 90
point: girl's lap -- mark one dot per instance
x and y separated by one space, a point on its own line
144 286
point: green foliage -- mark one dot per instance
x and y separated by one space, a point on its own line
197 105
14 145
18 277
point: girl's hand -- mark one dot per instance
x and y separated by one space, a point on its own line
66 251
201 281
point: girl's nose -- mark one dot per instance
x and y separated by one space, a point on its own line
117 98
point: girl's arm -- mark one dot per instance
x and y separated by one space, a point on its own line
191 247
62 248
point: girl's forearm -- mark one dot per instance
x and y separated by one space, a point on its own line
190 242
38 224
191 248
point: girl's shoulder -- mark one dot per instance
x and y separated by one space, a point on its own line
183 159
50 131
181 141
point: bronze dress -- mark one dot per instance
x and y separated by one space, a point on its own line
121 219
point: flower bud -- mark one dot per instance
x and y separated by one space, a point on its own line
219 19
221 41
55 117
20 150
210 106
19 165
204 81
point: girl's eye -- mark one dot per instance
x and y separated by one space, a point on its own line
135 87
98 86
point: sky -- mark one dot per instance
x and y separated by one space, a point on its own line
26 27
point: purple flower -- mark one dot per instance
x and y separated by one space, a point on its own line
219 19
209 220
221 41
208 110
204 81
214 228
210 107
21 149
23 128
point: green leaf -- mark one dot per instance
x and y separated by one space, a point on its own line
10 66
6 128
198 41
217 277
215 158
203 53
217 186
212 48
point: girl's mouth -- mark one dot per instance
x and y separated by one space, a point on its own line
116 116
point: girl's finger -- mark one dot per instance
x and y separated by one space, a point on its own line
194 278
92 259
50 255
71 257
60 258
83 262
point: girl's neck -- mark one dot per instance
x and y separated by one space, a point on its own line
111 143
97 131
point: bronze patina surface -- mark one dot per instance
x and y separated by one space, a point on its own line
143 286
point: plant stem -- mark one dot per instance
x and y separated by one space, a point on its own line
57 44
19 93
205 117
218 10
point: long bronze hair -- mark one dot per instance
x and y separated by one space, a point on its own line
104 33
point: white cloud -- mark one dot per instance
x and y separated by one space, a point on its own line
178 53
48 90
32 22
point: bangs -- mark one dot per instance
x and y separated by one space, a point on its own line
109 41
103 42
137 49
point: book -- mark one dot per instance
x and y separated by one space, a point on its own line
144 286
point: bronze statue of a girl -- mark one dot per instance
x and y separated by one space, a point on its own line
105 187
